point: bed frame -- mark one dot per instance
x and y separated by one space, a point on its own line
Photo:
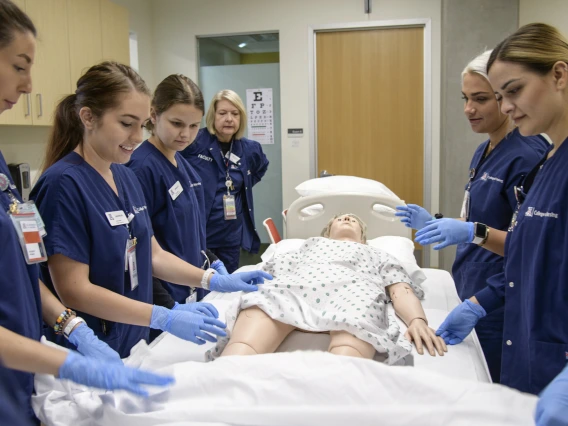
379 223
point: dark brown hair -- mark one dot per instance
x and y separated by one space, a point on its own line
99 89
537 47
175 89
13 19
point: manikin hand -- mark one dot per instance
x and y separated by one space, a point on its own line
419 333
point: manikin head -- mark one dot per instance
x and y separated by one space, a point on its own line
346 227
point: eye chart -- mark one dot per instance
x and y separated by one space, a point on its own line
260 116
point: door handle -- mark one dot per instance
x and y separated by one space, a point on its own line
40 99
28 105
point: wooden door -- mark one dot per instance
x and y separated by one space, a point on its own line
85 36
51 72
116 34
21 112
370 97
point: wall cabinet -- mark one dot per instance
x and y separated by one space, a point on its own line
72 36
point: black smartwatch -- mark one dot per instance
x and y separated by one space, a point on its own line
438 215
479 233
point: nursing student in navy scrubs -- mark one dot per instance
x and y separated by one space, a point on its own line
100 244
172 188
25 300
229 165
529 72
497 166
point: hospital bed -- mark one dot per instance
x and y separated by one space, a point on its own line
301 384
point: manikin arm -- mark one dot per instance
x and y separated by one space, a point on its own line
408 308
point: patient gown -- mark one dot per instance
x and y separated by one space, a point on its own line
331 285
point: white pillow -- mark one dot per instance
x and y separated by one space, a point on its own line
400 247
403 249
343 184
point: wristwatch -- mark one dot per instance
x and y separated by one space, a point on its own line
480 233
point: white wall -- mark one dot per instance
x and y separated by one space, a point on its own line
178 22
553 12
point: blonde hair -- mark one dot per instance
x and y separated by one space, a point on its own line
537 47
325 232
233 98
478 65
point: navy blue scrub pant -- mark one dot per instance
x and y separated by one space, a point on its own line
229 256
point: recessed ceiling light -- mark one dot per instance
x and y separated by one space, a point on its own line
242 45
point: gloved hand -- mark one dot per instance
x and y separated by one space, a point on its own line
109 376
459 323
446 232
413 216
220 267
552 407
89 345
240 281
206 309
194 327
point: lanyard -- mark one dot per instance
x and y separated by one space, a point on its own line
226 161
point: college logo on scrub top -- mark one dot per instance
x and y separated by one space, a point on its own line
487 177
139 209
531 212
204 157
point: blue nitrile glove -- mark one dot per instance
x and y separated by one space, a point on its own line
239 281
220 267
459 323
206 309
445 231
191 326
552 407
413 216
109 376
89 345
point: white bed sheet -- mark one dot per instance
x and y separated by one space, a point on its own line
300 388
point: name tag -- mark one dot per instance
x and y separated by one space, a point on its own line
175 190
233 158
117 218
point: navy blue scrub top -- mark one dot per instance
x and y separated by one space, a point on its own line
179 225
206 157
535 288
20 301
492 202
73 198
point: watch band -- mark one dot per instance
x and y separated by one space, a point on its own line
71 325
205 278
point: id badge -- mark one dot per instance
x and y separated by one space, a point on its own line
30 238
465 206
192 297
30 207
229 207
132 265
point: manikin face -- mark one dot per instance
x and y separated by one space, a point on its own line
481 107
534 102
345 228
227 120
177 127
115 135
16 60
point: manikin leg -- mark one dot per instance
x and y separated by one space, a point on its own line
256 333
344 343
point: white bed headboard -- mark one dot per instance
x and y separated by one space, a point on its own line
379 223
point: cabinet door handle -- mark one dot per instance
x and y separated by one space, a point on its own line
40 98
28 101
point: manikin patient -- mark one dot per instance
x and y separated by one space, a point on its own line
337 284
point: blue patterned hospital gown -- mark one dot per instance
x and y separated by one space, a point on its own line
332 285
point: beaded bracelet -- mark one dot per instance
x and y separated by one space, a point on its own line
62 319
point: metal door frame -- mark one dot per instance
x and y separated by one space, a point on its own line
426 24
